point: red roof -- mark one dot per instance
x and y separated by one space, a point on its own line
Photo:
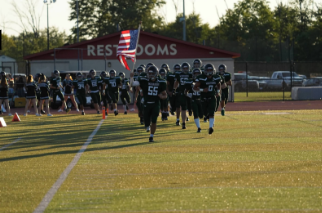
154 46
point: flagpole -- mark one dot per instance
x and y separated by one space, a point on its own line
137 44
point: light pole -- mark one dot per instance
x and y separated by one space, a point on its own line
48 2
77 21
183 19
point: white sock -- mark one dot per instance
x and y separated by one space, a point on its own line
211 122
151 135
124 107
197 122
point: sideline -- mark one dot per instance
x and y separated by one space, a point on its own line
15 141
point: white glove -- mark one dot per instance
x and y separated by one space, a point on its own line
189 95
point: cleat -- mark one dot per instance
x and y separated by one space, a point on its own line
9 114
148 129
38 114
60 110
25 114
211 130
166 118
98 112
187 119
77 110
125 112
223 112
205 119
83 113
67 110
28 111
116 112
171 112
184 126
42 112
49 114
141 121
199 130
151 139
178 123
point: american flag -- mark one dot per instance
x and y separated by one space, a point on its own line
127 46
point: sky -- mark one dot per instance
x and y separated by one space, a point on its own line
59 12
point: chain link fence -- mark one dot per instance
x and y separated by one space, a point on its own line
273 81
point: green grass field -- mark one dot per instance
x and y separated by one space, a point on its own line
254 162
262 96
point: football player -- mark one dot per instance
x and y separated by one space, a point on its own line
124 93
105 76
207 84
195 96
138 94
114 83
153 90
170 82
80 84
56 86
164 103
226 76
44 88
181 99
92 87
69 90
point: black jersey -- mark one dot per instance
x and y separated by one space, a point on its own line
68 84
31 89
44 90
4 92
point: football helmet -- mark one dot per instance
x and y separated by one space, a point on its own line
152 72
222 69
92 73
210 70
196 72
149 65
140 70
197 63
103 74
163 72
142 65
79 76
56 73
122 74
185 67
3 73
177 67
112 73
166 67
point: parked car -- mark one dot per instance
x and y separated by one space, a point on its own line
241 82
282 79
262 81
312 82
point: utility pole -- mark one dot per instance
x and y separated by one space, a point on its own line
48 2
184 21
77 21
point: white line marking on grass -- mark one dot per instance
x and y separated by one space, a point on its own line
52 191
15 141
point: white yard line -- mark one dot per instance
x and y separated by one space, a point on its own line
15 141
52 191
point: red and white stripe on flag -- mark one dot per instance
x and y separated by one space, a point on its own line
127 47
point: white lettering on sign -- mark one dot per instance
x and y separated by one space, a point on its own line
109 52
149 49
173 48
90 50
100 50
162 51
139 50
